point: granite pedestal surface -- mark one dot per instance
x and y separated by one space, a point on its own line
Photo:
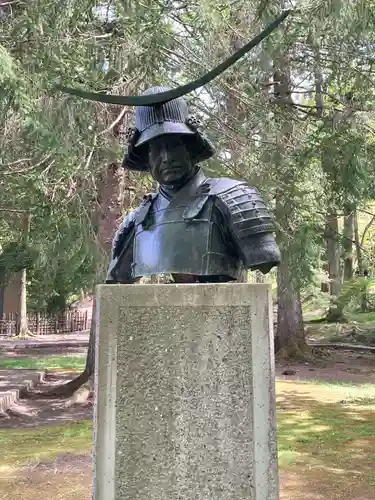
185 399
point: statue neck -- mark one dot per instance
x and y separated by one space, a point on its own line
169 191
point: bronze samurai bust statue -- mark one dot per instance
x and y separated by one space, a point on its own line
195 228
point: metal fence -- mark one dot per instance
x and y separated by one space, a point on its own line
43 324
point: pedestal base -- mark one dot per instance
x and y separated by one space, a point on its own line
185 401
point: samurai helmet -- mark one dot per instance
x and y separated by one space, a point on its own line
168 118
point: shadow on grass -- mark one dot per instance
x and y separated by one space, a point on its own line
326 438
330 444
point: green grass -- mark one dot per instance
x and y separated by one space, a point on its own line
318 422
362 318
351 316
74 363
358 329
326 438
23 446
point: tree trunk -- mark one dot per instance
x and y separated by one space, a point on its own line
111 197
23 326
347 243
333 254
290 334
68 389
335 312
90 358
319 102
358 247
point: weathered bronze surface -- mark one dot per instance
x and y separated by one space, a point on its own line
195 228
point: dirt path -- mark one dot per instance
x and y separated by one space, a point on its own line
310 484
69 477
331 366
61 484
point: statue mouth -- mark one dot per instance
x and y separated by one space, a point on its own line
171 168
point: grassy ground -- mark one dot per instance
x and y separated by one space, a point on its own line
22 478
359 329
326 440
70 363
359 317
24 446
352 317
326 448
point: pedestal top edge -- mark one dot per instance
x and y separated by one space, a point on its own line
185 285
183 294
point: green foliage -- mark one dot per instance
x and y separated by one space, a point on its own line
349 156
65 264
15 257
355 291
304 160
53 147
362 317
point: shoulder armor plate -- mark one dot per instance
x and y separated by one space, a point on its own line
219 186
247 209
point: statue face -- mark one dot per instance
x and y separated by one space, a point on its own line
169 160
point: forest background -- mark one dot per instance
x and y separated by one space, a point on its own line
295 119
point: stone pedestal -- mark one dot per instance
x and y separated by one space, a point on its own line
185 400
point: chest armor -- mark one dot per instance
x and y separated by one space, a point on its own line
183 236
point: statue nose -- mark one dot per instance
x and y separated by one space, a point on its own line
164 155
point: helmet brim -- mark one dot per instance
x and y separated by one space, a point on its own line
159 129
